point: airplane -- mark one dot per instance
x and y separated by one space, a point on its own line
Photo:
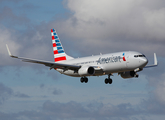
125 63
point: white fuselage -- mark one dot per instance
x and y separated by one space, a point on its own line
108 63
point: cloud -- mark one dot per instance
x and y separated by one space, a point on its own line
90 28
102 26
107 27
7 37
155 104
29 41
31 44
57 92
114 25
160 88
73 109
21 95
5 93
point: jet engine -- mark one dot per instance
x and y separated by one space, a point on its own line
86 70
128 74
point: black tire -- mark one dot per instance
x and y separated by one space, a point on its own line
81 80
106 81
110 81
136 75
86 80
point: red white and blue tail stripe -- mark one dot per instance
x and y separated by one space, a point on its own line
59 54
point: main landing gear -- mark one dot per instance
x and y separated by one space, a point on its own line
108 80
83 79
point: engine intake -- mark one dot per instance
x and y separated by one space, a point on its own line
86 70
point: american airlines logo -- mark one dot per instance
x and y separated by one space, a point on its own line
109 60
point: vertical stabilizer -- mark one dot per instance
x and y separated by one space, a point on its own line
59 53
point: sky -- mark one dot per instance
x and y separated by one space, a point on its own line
85 27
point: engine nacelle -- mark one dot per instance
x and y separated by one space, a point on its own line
128 74
86 70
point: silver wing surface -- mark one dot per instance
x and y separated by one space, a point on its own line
46 63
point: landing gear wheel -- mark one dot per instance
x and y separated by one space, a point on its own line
110 81
136 76
106 81
83 79
86 80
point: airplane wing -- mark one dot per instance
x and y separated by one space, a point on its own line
46 63
155 62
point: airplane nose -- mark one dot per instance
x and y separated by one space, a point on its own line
144 61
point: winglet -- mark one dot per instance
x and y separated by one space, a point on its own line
10 52
155 60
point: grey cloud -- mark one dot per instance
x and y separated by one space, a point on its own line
138 28
57 91
24 115
5 93
110 26
66 110
128 30
74 110
155 104
32 44
21 95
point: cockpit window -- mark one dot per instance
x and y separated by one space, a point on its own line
139 55
135 55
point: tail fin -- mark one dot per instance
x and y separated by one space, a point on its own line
59 53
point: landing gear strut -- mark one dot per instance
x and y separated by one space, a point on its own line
108 80
83 79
